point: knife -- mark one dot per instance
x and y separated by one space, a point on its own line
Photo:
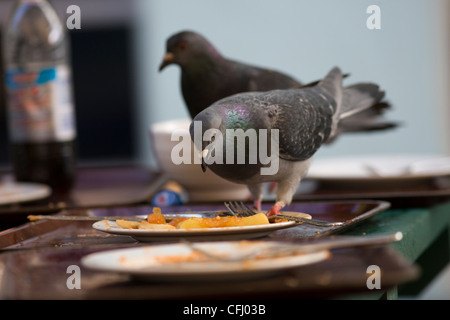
168 216
282 248
82 218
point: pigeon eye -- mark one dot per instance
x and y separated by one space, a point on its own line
182 45
213 136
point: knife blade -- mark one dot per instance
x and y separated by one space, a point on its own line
168 216
82 218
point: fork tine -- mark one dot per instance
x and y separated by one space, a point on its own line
228 205
248 210
243 210
238 208
235 209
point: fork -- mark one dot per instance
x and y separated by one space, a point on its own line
279 249
239 209
216 257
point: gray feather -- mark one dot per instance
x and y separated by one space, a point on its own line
359 97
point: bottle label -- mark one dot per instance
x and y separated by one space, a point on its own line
40 107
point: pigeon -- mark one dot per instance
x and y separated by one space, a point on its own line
207 76
301 120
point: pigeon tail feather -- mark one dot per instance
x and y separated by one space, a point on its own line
362 109
332 84
359 97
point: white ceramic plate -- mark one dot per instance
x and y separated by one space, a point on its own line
15 192
178 262
227 233
382 168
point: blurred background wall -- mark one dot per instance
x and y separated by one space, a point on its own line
120 93
408 57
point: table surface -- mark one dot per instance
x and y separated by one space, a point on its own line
41 251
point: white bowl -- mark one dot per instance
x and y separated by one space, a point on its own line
201 186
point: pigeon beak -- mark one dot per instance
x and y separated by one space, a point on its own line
167 59
204 155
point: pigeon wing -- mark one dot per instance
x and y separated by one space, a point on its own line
304 122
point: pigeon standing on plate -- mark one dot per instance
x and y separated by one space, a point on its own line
306 118
207 76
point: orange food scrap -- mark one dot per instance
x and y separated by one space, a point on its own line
220 222
175 222
156 220
156 217
154 226
156 210
126 224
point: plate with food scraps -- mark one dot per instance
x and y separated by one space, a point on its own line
183 262
196 226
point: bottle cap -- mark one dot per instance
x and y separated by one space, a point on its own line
170 194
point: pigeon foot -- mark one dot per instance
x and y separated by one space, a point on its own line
275 209
257 204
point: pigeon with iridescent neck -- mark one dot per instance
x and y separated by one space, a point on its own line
304 119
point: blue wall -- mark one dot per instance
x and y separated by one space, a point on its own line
408 57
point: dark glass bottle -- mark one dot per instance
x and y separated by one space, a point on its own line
40 105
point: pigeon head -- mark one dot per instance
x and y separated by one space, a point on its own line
187 49
206 132
208 122
220 133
